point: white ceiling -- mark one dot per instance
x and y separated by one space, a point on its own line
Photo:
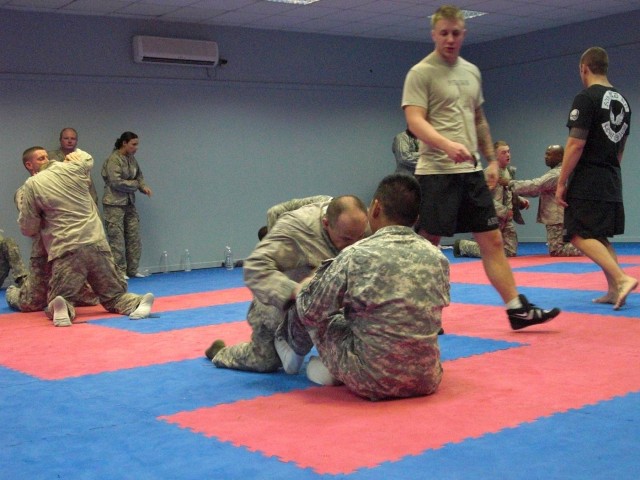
404 20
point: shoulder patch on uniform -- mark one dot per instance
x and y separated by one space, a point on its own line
575 113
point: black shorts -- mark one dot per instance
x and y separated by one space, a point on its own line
592 219
456 203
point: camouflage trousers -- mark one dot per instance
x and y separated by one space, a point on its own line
122 226
92 264
259 354
335 342
31 296
11 261
557 246
470 248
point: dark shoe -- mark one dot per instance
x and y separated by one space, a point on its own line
529 314
456 249
213 350
441 331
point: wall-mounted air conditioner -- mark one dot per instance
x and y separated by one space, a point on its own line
175 51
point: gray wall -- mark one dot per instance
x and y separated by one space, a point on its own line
290 115
530 82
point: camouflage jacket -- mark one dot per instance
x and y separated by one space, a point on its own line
295 246
122 178
57 205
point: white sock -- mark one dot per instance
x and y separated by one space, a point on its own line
319 374
291 361
144 308
60 312
515 303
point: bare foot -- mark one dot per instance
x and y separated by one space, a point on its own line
610 297
625 288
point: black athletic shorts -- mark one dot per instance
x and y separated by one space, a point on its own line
592 219
456 203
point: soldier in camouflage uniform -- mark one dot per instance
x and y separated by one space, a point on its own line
406 150
507 207
374 311
550 213
298 243
11 261
31 295
57 206
122 178
68 144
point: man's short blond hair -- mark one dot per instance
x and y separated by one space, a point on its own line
447 12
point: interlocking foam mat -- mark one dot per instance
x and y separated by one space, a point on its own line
111 398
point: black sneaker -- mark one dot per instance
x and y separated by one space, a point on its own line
529 314
213 350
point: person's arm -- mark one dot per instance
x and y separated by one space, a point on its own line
572 153
416 118
535 186
280 209
321 300
112 172
623 142
82 158
485 145
264 268
142 186
29 217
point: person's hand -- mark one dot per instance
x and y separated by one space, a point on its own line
147 191
76 156
459 153
524 204
561 191
491 175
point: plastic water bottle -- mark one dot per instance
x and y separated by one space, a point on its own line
187 260
228 258
164 262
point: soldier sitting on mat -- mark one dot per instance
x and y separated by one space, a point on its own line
374 311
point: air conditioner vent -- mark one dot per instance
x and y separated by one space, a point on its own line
175 51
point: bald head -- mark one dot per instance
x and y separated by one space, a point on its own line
345 221
553 155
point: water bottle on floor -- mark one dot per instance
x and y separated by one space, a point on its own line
187 260
164 262
228 258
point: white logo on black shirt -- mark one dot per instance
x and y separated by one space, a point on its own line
617 106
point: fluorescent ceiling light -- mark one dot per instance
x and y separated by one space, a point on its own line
472 14
294 2
467 14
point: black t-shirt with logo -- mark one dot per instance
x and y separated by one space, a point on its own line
606 114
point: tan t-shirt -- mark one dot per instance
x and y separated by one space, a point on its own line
451 94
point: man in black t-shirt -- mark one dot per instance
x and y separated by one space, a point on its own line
590 183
